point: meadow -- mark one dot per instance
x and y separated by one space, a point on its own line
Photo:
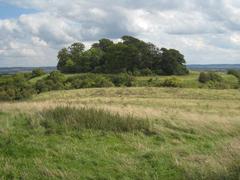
181 133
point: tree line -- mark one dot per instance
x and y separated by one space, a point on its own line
131 55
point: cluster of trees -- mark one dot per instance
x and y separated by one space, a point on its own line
131 55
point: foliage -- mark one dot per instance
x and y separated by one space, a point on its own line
122 79
235 73
68 118
172 62
16 87
131 55
205 77
171 82
55 81
217 85
89 81
37 72
213 80
146 72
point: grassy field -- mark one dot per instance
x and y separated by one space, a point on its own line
187 81
183 134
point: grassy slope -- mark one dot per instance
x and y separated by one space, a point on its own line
198 136
188 81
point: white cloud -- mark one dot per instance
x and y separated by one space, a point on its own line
205 31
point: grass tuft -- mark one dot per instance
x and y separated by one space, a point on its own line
62 119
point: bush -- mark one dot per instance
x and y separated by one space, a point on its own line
16 87
103 82
146 72
122 79
62 119
55 81
217 85
5 96
234 73
171 82
56 76
37 72
205 77
16 93
89 81
213 80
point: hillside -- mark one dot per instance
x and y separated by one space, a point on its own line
193 134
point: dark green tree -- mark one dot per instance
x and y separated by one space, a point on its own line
173 62
131 55
37 72
103 44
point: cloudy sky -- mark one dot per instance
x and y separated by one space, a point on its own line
205 31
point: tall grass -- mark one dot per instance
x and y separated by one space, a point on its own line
69 118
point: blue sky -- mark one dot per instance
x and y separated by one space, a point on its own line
11 11
32 31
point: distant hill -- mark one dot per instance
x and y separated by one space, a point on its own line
13 70
213 67
194 67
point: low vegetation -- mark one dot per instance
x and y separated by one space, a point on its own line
25 85
16 87
64 119
122 133
235 73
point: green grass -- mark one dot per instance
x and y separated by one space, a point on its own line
187 81
34 80
69 118
69 135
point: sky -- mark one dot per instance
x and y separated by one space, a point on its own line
33 31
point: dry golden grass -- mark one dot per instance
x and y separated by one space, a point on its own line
198 108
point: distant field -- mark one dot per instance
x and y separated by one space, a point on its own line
195 134
193 67
213 67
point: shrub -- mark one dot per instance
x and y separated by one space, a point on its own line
89 81
234 73
217 85
203 77
56 76
171 82
146 72
55 81
5 96
122 79
209 76
16 87
213 80
37 72
63 119
103 82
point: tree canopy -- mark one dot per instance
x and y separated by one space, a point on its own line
130 55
